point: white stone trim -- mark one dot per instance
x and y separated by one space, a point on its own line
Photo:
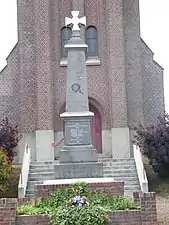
76 46
90 61
63 62
140 169
24 172
93 61
71 181
76 114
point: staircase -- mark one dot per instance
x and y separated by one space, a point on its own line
122 170
38 172
119 169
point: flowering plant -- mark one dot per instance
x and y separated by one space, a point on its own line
78 200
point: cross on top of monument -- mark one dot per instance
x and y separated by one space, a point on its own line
75 21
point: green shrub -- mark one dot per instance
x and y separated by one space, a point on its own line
5 170
154 144
61 213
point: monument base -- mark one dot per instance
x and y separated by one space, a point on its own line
75 154
77 138
78 170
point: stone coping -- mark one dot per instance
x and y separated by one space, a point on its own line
72 181
76 114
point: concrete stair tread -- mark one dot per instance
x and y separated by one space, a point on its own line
118 170
121 175
42 173
118 166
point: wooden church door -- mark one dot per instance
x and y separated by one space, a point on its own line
96 129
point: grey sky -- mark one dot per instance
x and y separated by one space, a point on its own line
154 30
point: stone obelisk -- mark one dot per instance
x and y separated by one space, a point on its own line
78 145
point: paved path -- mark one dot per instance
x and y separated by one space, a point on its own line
163 210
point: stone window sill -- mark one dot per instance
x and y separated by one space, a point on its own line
90 61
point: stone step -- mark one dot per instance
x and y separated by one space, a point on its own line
120 162
119 165
128 194
48 166
34 182
41 178
116 160
127 179
40 174
41 170
29 192
122 176
41 163
119 170
132 187
119 173
133 166
30 188
31 185
105 160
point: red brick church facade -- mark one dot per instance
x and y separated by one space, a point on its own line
125 83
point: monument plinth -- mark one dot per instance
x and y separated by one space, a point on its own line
78 146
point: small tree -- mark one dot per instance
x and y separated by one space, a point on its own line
154 143
9 137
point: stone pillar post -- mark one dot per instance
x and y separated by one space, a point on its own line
44 81
27 76
8 211
117 79
147 201
134 81
132 60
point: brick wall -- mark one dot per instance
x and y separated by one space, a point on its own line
125 218
111 188
33 220
122 218
145 216
7 211
148 207
153 92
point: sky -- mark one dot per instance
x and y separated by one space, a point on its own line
154 31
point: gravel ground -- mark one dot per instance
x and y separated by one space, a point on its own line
163 210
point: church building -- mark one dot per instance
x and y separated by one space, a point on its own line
125 84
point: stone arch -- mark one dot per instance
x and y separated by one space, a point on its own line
103 107
96 125
96 105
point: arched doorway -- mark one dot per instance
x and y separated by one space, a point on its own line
96 129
